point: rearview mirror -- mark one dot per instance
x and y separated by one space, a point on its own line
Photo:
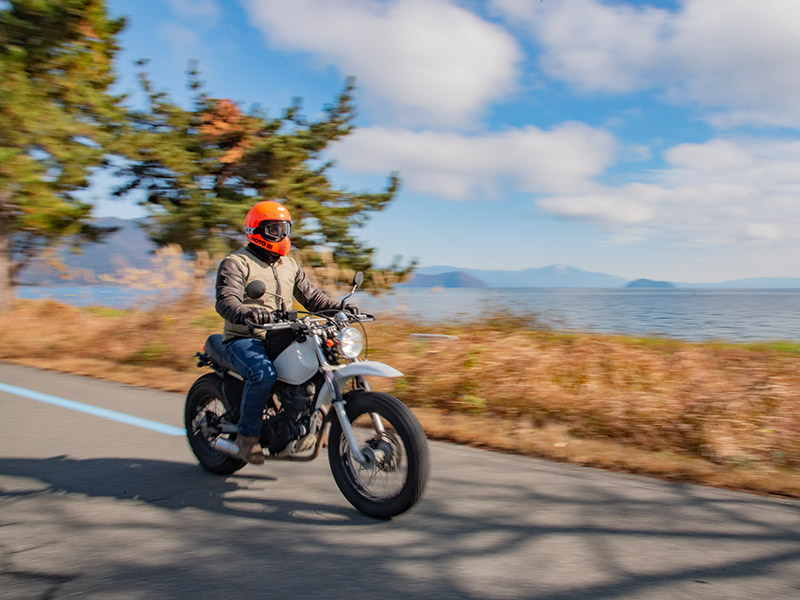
255 289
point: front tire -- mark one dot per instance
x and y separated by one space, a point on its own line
207 399
397 477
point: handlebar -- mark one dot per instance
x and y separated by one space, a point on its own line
268 326
303 323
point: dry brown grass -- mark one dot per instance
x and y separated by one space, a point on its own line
726 415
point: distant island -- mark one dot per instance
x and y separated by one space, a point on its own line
649 283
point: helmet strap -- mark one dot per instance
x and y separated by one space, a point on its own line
262 253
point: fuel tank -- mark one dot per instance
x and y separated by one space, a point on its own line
297 363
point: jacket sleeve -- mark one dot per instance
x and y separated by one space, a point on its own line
230 291
313 298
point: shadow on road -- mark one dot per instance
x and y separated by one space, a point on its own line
171 485
471 537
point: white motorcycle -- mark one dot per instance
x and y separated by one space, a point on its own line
377 450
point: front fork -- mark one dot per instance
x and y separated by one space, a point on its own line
366 458
376 419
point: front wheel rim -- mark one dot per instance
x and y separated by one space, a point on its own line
385 475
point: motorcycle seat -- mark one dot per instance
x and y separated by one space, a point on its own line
216 351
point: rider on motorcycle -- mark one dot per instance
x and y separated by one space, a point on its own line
267 227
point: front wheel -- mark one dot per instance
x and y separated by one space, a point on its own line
389 434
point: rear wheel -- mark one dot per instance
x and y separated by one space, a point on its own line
390 436
205 405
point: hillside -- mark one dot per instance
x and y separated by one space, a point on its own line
649 283
129 246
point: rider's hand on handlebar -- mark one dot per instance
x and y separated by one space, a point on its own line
352 309
259 315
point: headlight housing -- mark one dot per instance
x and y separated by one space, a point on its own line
350 342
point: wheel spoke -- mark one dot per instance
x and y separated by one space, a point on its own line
387 476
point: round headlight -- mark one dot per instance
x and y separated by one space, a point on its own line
350 342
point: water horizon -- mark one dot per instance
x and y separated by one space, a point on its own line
699 314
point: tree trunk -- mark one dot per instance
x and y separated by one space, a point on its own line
6 283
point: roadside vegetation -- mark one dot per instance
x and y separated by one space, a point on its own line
714 413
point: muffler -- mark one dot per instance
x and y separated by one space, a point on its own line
223 445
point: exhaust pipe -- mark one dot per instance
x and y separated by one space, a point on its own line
226 446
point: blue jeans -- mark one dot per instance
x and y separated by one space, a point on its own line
249 357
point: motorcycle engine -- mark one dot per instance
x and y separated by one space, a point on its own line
292 421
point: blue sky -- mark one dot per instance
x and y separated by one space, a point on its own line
654 139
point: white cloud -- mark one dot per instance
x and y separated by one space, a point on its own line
738 57
466 167
720 192
591 45
633 205
766 232
430 61
724 191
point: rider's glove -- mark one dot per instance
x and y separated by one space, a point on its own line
260 315
352 309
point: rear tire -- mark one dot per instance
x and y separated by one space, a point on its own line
396 480
206 396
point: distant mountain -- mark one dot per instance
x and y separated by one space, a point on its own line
649 283
451 279
129 246
564 276
554 276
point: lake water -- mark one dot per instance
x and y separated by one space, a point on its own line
734 315
89 295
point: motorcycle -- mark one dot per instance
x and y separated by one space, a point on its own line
377 450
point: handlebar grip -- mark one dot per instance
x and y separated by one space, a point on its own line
267 326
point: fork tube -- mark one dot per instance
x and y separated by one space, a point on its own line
347 429
377 423
361 381
338 405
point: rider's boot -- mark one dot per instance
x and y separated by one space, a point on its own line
250 450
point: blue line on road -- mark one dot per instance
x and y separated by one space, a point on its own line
93 410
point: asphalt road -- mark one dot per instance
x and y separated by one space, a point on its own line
96 508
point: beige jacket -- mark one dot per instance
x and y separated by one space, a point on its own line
284 279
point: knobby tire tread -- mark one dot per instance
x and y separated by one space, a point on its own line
416 447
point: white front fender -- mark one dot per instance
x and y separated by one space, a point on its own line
345 372
365 367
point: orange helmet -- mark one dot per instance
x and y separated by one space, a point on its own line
268 225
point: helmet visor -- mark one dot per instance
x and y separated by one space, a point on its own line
274 231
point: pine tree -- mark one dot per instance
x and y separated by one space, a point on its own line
203 168
56 119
